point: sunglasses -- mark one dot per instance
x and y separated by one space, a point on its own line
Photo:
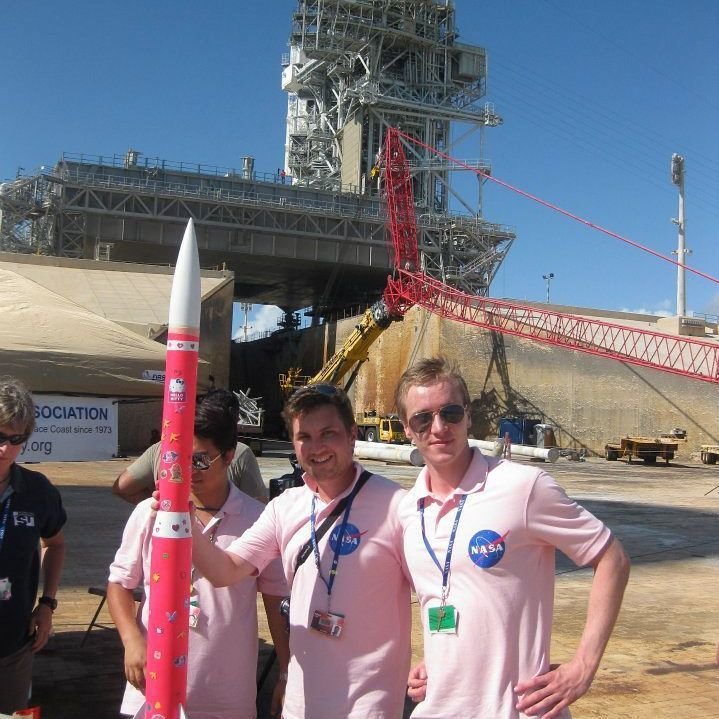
14 439
324 388
450 414
201 461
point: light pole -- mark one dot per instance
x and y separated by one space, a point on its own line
680 222
548 278
246 307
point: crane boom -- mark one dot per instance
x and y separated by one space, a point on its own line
355 349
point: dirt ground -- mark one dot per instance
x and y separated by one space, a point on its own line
659 663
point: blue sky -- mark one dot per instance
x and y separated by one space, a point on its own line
595 99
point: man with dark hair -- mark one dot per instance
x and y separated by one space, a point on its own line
479 540
340 545
31 518
137 481
222 660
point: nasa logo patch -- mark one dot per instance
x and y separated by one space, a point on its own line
350 539
486 548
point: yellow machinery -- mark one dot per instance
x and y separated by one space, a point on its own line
348 360
349 357
355 349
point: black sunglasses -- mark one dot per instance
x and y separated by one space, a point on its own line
201 461
450 413
328 390
14 439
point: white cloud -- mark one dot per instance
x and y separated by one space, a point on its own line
663 308
265 318
261 319
712 307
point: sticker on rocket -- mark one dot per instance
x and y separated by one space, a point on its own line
486 548
177 391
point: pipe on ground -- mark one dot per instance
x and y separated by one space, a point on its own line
494 447
388 452
411 455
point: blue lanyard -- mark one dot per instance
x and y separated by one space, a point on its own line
5 515
338 544
450 546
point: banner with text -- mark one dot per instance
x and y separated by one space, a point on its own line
71 429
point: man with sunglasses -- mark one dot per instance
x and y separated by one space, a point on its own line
137 481
340 545
31 518
479 540
222 660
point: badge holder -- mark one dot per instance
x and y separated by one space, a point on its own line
442 619
328 623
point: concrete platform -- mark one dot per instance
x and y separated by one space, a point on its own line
659 663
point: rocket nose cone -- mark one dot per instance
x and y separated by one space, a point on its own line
186 294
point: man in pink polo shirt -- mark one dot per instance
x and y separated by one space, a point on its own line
340 544
479 539
222 660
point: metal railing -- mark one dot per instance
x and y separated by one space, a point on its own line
337 206
334 207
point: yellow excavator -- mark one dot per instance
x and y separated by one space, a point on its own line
350 356
348 361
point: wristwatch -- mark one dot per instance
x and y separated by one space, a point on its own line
49 602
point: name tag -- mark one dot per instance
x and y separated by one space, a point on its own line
442 619
328 623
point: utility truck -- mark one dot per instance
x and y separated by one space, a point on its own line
373 428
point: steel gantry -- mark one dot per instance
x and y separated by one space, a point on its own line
357 68
678 355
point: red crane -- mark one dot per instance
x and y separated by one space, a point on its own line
409 286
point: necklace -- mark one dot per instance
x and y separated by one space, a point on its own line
208 509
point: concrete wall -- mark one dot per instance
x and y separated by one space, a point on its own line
257 366
216 333
136 420
590 400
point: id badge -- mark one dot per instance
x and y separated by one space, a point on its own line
5 589
443 619
328 623
194 617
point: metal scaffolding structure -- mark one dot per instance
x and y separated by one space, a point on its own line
316 235
409 287
27 214
357 67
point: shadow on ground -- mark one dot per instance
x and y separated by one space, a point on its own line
652 533
70 681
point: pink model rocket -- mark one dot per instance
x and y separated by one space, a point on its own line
171 564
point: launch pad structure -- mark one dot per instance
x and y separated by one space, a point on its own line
314 235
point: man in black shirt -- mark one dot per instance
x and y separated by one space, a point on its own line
31 514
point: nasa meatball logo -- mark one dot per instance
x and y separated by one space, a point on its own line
486 548
350 539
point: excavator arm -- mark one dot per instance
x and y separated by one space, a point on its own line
355 349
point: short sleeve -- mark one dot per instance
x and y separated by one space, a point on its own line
127 567
144 469
55 515
244 473
272 580
559 521
259 545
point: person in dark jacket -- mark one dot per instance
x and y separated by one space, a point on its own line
31 517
